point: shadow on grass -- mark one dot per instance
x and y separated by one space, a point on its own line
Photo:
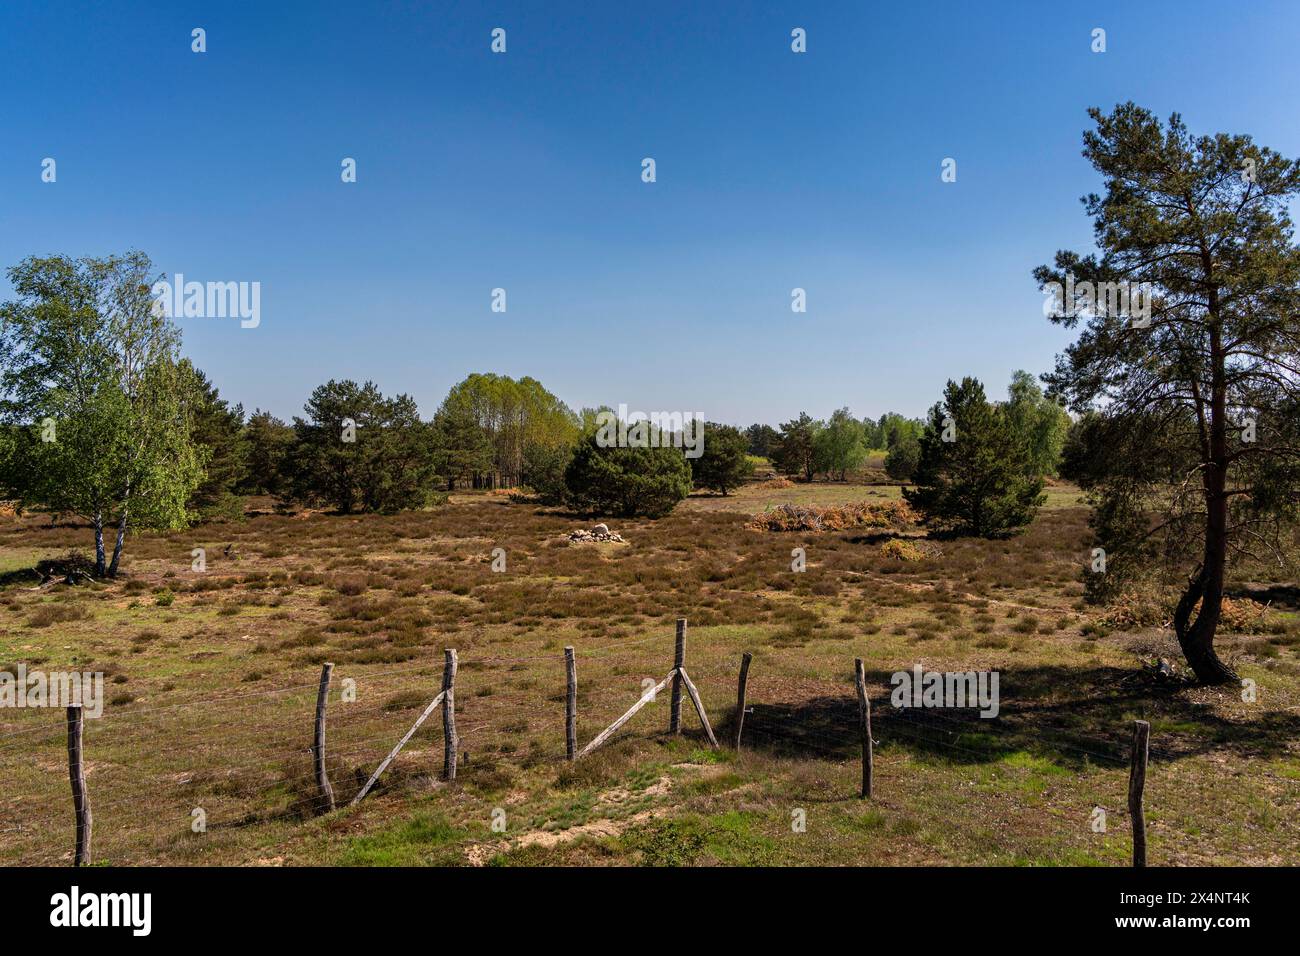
880 537
1074 716
1280 596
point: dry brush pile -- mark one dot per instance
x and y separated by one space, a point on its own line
882 515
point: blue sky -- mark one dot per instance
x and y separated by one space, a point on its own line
522 171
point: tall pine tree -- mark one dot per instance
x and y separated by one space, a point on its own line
1208 373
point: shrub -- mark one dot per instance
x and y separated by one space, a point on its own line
626 481
48 614
351 585
901 462
895 515
1026 625
901 550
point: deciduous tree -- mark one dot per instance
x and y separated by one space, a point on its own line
90 367
838 447
1041 421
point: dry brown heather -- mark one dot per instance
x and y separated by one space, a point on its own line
211 680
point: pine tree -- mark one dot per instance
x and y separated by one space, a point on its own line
725 463
218 427
796 451
626 481
975 474
1198 229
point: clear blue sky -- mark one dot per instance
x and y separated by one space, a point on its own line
475 170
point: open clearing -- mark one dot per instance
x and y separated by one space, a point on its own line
211 679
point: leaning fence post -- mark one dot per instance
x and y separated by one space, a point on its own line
77 774
318 746
740 697
679 661
609 731
1137 780
449 742
571 704
864 724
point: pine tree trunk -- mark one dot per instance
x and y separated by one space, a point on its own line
1206 585
1197 641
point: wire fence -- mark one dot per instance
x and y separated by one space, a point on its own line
162 776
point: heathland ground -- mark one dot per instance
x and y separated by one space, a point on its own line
202 755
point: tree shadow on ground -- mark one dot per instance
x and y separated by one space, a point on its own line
877 537
1074 716
1281 596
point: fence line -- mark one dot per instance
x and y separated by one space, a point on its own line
836 742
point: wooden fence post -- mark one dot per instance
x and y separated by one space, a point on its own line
449 743
571 705
864 724
77 774
318 745
740 697
679 660
1137 780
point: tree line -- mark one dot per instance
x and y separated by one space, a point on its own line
104 419
1187 435
837 447
834 448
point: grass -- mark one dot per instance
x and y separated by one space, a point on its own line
422 840
757 496
211 684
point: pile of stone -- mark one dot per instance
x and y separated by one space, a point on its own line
599 533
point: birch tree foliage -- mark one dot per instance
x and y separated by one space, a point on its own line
90 391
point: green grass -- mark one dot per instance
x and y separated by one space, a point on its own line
755 497
422 840
733 838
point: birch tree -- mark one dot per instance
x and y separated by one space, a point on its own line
88 375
